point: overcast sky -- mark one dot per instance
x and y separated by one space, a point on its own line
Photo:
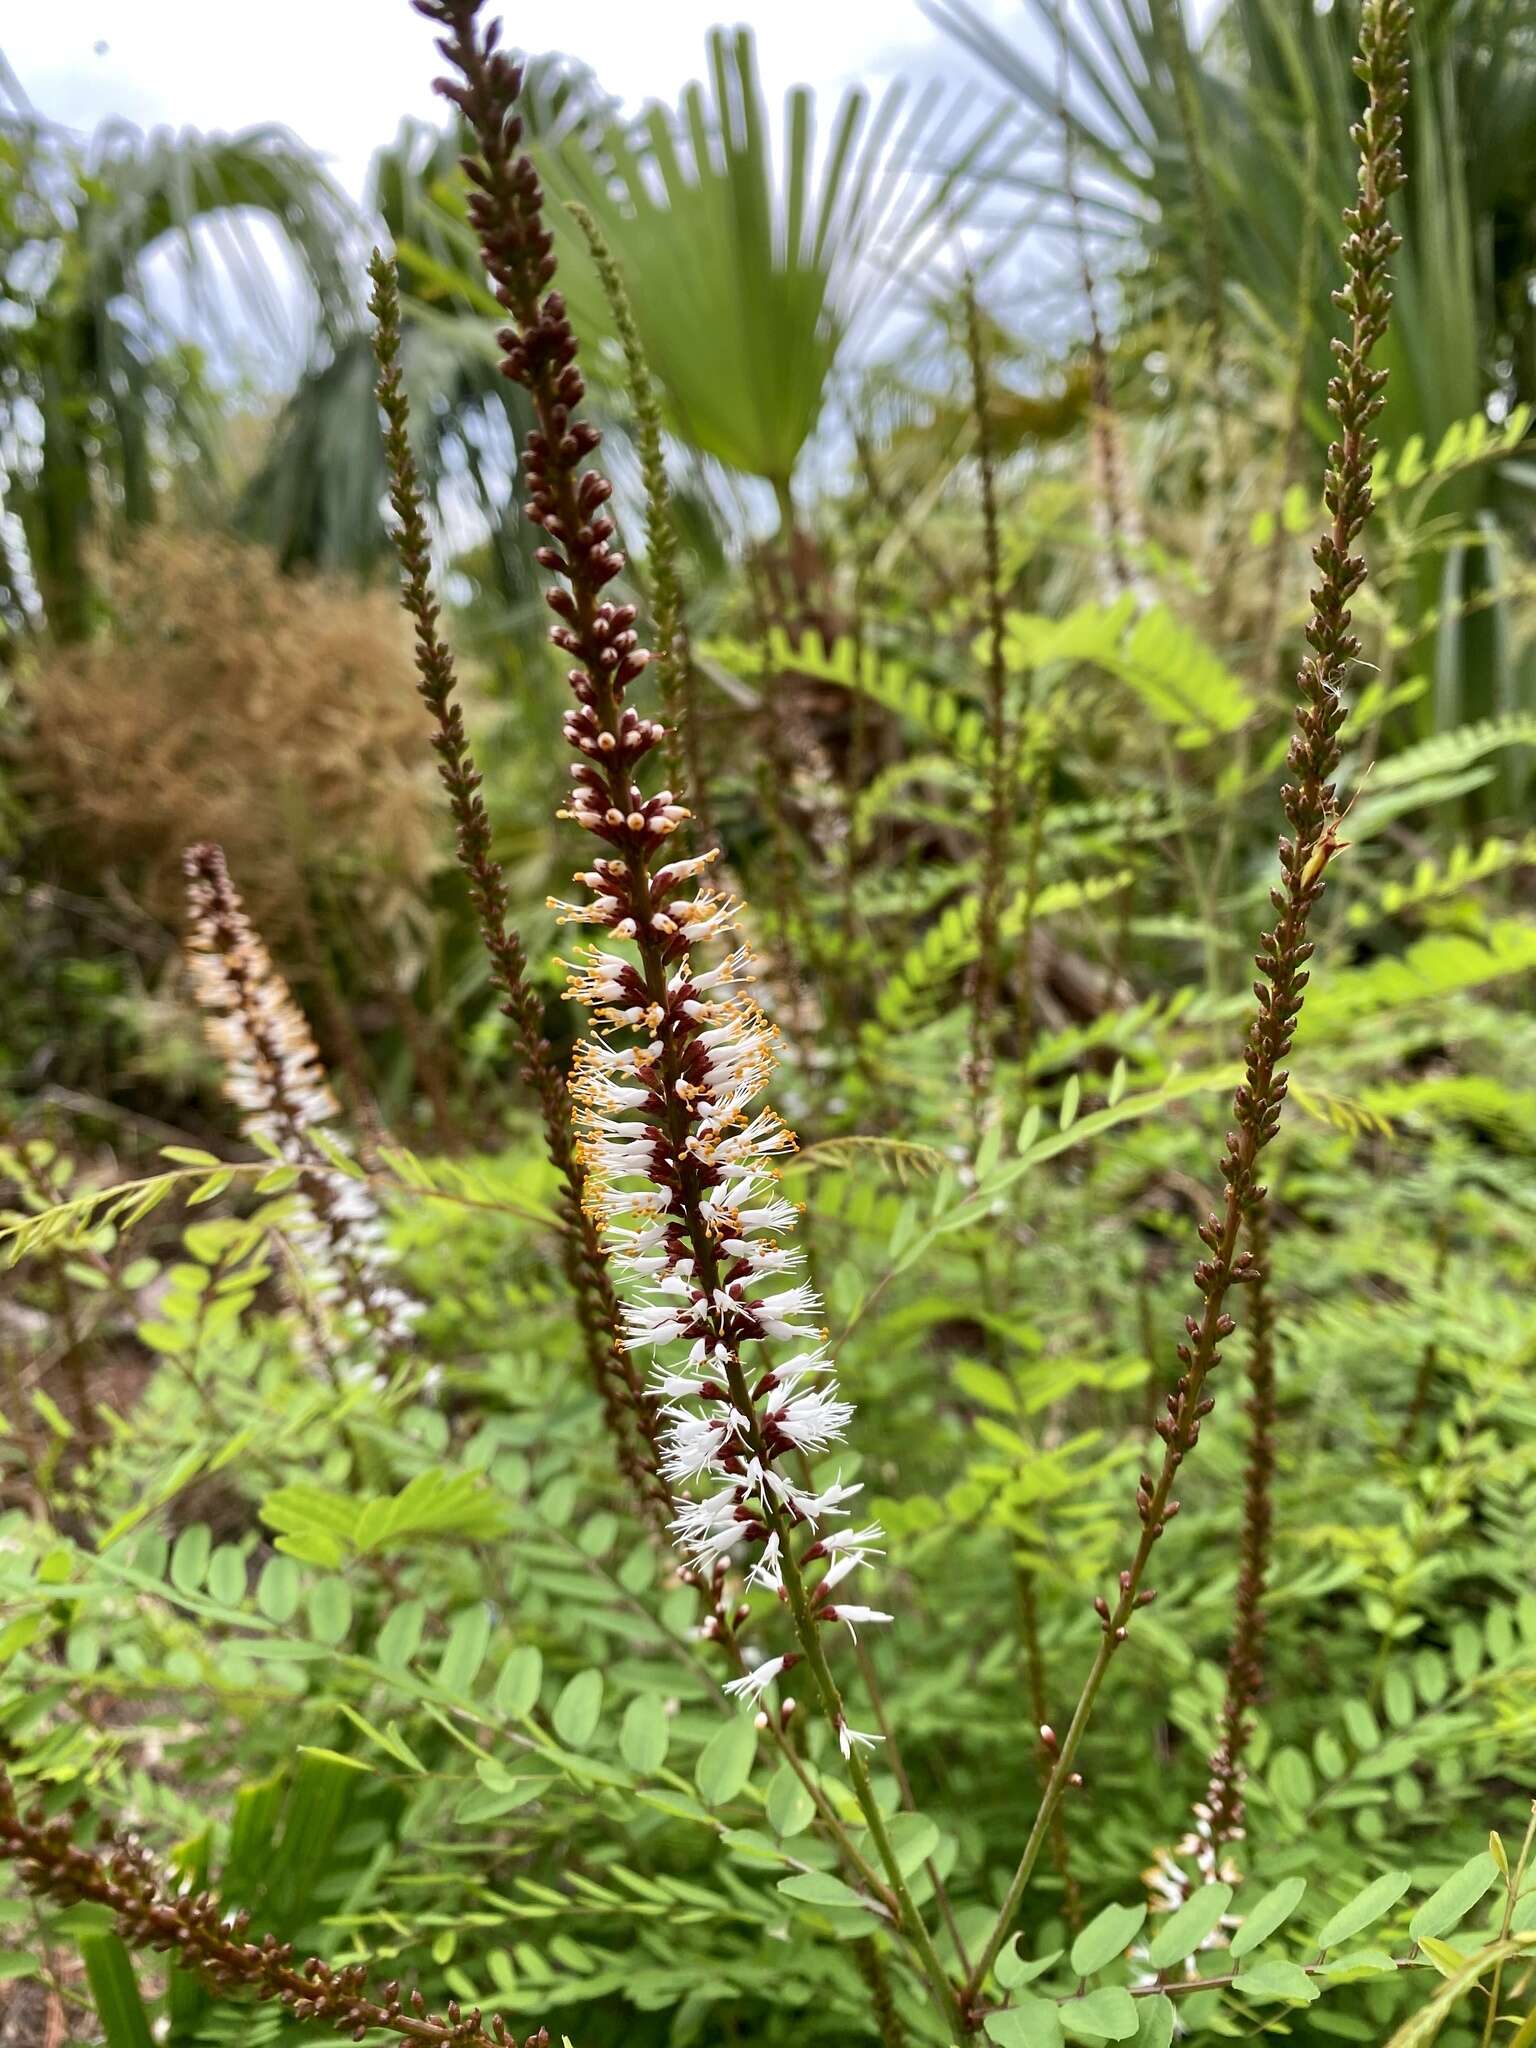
341 73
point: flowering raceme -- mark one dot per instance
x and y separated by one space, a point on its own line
676 1153
274 1076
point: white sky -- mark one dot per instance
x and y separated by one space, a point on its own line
341 73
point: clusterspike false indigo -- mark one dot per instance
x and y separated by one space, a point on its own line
678 1163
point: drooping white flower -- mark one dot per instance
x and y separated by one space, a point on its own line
753 1684
850 1739
866 1616
767 1572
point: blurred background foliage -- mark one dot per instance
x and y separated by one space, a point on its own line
793 276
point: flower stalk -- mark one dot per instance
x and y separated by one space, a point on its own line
1103 436
1219 1816
151 1909
1001 766
673 660
1039 1707
1313 817
679 1172
629 1418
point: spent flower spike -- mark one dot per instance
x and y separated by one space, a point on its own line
156 1909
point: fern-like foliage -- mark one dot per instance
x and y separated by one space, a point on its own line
1173 674
949 946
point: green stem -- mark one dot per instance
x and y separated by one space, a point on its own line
911 1922
783 497
1511 1893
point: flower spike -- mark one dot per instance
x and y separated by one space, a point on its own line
274 1076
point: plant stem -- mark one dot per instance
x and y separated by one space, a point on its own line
1223 1818
629 1417
899 1772
153 1911
1001 778
1102 428
871 1968
1039 1707
1024 993
1511 1894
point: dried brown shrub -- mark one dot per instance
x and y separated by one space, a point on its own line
276 714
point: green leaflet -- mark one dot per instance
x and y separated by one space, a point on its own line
115 1991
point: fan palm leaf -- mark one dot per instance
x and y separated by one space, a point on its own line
97 389
749 271
1268 74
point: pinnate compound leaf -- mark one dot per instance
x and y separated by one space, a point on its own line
330 1610
818 1888
1108 2014
277 1590
1359 1965
189 1557
1011 1970
914 1837
226 1575
1273 1977
725 1762
468 1640
518 1682
791 1808
644 1734
400 1635
1155 2022
577 1710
